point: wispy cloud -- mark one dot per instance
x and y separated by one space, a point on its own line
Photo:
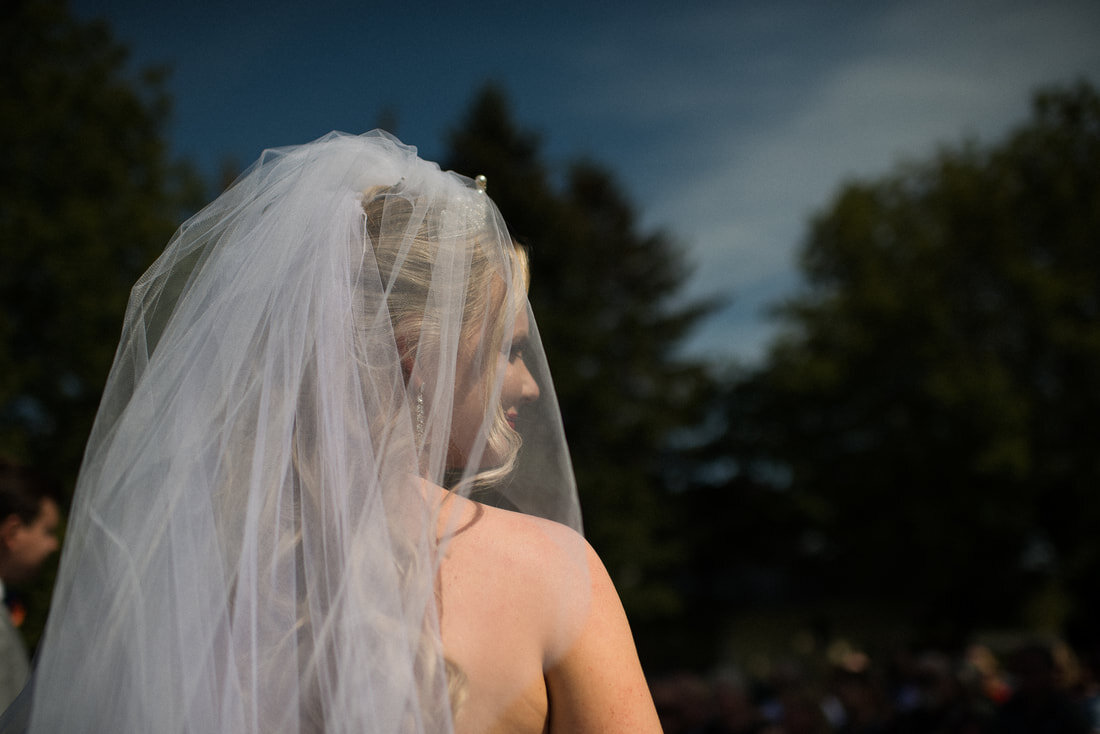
783 112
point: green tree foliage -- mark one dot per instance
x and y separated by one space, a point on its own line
603 292
85 206
928 415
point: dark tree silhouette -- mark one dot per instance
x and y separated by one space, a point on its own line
88 197
928 413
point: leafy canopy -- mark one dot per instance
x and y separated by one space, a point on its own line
930 405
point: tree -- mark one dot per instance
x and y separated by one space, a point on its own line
88 197
85 205
603 294
929 410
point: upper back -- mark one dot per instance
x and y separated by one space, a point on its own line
513 593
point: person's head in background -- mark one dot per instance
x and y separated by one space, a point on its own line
29 517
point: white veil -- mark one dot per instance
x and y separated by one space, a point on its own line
253 546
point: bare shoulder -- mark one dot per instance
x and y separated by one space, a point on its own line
597 683
527 540
513 592
527 561
550 586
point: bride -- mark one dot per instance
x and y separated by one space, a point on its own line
327 489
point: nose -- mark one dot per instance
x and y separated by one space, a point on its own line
530 387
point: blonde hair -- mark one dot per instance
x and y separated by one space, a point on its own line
405 250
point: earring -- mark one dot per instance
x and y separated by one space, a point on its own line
420 415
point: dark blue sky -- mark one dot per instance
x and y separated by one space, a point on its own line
728 123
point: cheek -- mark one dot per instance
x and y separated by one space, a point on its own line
512 386
43 544
508 387
469 414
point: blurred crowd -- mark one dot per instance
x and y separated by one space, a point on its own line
1033 687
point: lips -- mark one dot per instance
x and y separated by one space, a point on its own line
511 416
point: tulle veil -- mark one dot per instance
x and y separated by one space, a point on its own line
254 540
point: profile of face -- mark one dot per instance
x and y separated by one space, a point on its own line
28 544
518 389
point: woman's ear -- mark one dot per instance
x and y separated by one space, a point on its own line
9 528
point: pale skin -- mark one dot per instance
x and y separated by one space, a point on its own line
25 545
530 616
